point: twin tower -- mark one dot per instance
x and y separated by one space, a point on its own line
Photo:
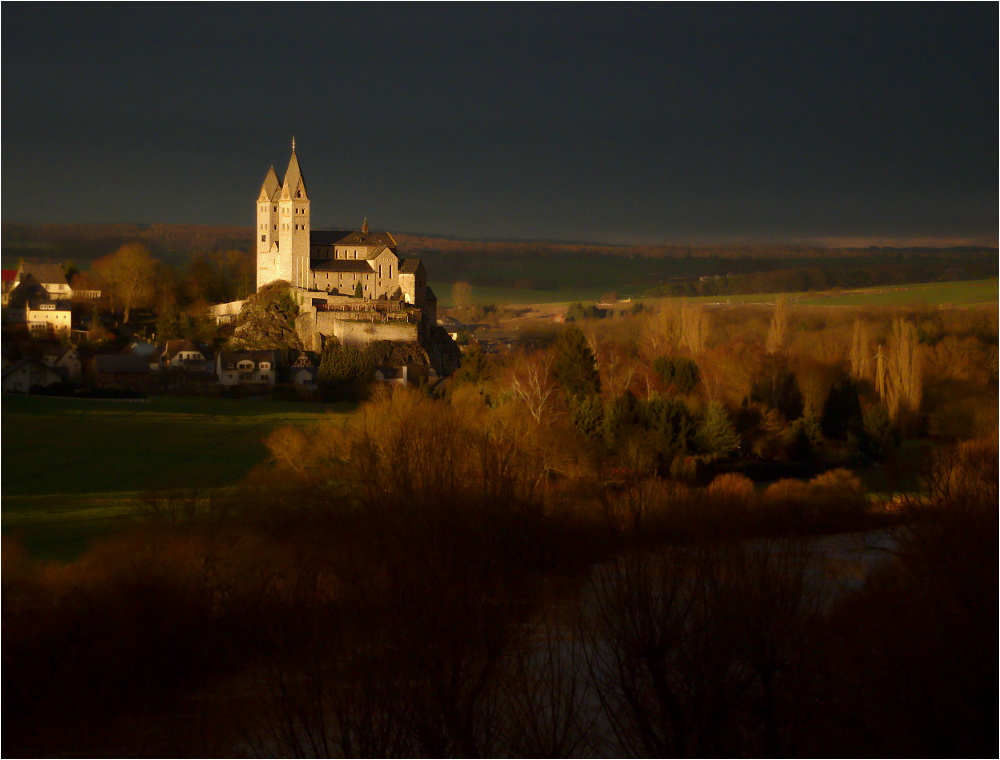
283 228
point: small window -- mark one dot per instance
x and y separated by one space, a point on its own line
263 238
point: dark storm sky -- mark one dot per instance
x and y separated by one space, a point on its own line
604 122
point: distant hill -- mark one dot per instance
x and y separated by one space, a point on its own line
416 243
174 242
83 243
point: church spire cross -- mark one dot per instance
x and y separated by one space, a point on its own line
293 143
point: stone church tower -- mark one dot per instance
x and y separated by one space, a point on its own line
283 228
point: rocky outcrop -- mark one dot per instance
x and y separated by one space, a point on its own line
267 320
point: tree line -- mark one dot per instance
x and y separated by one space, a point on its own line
132 278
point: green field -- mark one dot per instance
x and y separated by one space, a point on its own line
505 296
75 469
963 293
933 294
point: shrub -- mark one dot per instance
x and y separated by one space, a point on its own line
695 471
733 488
834 500
345 371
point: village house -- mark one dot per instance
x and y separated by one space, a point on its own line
8 277
245 368
26 373
121 371
184 355
50 276
65 360
30 304
148 350
304 372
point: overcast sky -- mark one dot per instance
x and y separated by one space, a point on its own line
602 122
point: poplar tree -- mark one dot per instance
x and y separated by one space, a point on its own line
860 354
694 327
905 380
461 295
777 334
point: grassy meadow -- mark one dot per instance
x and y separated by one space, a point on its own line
963 293
76 469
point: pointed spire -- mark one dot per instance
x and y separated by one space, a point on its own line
364 227
295 186
270 186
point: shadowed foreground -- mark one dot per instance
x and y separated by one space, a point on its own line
419 585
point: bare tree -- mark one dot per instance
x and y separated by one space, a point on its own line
698 651
617 368
531 381
547 707
129 273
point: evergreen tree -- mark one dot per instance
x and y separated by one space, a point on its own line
574 367
716 434
359 290
587 414
679 372
878 437
671 424
168 322
841 411
475 365
620 416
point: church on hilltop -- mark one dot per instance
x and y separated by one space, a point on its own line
351 285
360 263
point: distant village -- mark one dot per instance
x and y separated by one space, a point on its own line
54 355
351 289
